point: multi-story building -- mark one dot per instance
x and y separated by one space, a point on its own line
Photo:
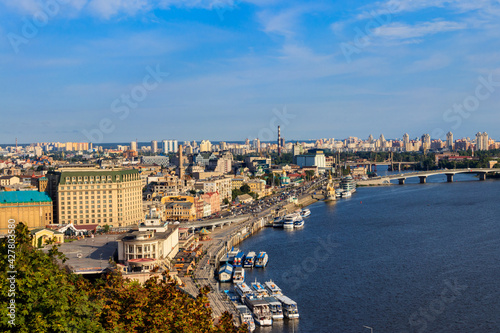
205 146
32 208
154 146
449 140
257 186
238 182
221 165
158 160
40 183
148 248
180 210
213 199
221 185
316 159
482 142
96 196
9 180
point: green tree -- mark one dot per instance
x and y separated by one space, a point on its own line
47 298
245 188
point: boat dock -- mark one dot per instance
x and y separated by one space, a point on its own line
222 241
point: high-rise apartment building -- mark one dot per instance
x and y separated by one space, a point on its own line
449 140
133 145
482 142
205 146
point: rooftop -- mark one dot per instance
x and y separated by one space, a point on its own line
23 196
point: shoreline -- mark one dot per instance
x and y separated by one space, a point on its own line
204 274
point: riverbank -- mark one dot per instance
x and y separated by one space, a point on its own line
222 241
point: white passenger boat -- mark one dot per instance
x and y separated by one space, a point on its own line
249 260
261 311
346 194
246 317
239 275
244 291
275 306
298 224
261 260
273 288
290 309
259 290
289 220
305 212
278 222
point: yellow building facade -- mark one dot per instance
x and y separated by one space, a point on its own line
33 208
96 196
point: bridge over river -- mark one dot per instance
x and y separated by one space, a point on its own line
450 173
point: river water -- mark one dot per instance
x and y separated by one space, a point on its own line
410 258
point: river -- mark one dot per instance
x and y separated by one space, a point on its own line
409 258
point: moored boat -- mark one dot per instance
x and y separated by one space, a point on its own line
273 288
278 222
244 291
259 290
275 307
261 311
239 275
261 260
298 223
246 317
305 212
290 309
289 220
238 259
249 260
346 194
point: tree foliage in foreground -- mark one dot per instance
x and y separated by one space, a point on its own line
49 299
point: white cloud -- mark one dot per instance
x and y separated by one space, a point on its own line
434 62
49 7
110 8
282 23
400 6
405 31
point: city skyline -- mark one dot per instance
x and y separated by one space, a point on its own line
206 69
160 142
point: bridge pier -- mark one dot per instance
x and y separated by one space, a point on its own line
449 177
401 181
482 176
423 179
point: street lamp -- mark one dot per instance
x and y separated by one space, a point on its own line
368 327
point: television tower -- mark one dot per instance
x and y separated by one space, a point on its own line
279 141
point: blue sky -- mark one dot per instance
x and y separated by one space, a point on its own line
335 68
